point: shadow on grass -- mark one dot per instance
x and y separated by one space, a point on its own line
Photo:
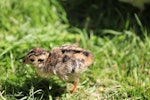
31 86
96 15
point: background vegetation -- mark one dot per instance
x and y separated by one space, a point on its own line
116 33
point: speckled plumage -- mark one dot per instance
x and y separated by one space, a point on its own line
66 61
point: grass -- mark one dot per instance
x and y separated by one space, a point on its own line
121 69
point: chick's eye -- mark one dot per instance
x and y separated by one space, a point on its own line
40 60
32 60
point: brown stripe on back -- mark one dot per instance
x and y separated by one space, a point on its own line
67 51
85 53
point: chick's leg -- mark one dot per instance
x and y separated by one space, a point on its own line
75 86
